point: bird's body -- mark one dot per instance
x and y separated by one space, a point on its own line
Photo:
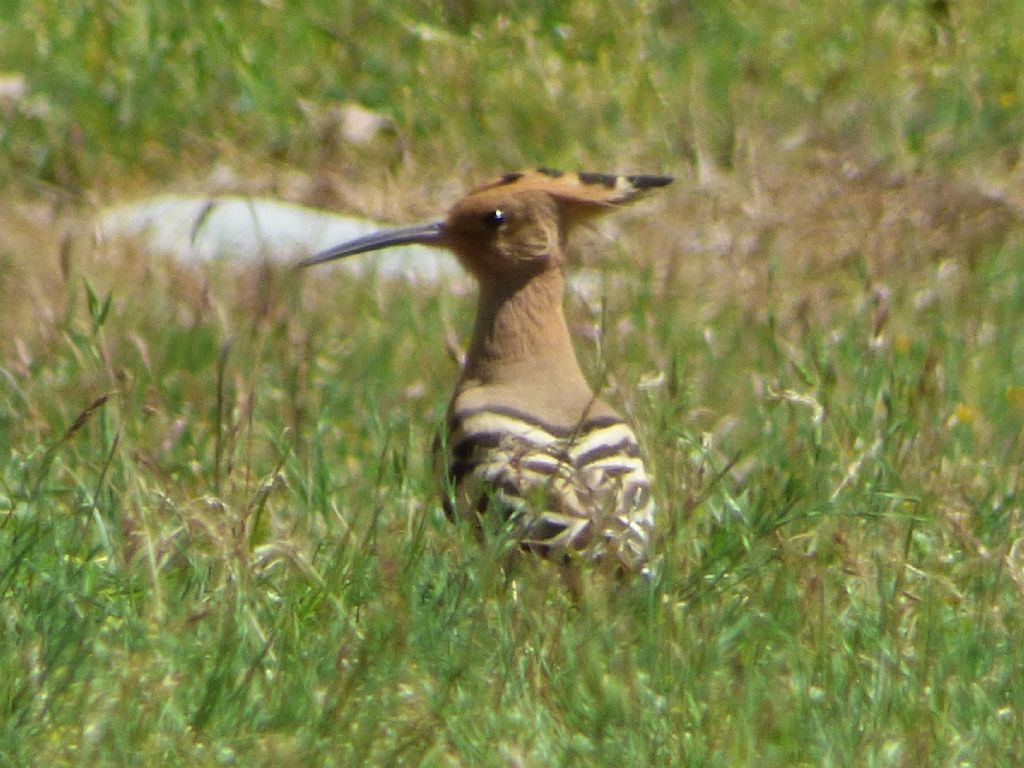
579 487
526 436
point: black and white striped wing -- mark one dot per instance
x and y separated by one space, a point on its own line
583 489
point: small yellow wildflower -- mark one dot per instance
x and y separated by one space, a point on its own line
964 414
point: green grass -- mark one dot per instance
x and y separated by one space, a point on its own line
220 540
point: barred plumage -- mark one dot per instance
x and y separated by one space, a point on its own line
581 488
526 437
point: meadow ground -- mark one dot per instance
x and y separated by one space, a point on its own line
220 542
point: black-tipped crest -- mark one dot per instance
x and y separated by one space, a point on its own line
650 182
604 179
583 188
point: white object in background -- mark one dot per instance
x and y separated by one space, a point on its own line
197 229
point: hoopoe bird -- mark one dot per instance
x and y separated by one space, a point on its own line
526 436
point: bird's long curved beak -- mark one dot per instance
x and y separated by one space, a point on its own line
420 234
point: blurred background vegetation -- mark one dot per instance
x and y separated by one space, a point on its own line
219 535
115 89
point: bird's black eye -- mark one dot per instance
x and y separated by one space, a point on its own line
495 218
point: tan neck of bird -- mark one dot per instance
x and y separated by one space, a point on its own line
521 336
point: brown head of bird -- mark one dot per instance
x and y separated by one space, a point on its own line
515 227
523 423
